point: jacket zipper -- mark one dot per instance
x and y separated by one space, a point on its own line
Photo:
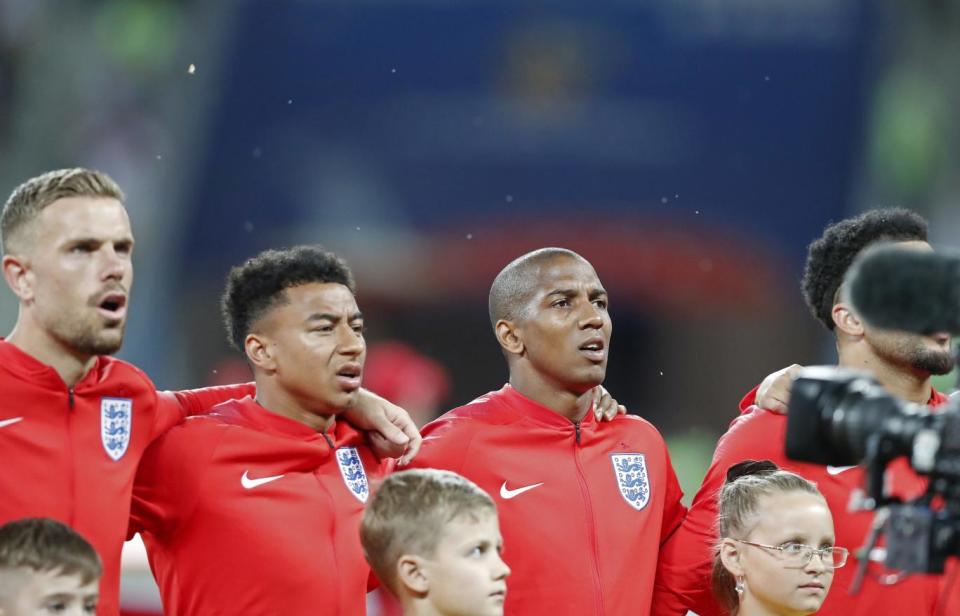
316 475
326 437
591 523
70 455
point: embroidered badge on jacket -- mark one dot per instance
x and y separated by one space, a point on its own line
116 422
632 479
353 474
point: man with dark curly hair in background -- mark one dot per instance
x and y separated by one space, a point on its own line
902 362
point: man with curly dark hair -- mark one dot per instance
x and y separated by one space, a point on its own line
255 509
828 260
901 362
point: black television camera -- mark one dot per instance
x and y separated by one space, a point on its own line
841 417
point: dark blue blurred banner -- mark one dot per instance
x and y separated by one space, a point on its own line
739 118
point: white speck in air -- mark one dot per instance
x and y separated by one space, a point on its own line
661 373
289 101
256 153
192 69
248 227
663 199
508 198
469 236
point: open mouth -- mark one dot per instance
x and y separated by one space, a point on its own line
113 306
594 349
349 376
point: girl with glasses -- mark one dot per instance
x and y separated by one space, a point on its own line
776 554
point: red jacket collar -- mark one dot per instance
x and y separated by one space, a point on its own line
28 367
247 411
538 412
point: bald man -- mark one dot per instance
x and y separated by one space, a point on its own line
584 506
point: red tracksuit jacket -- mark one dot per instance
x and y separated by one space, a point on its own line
687 558
583 507
244 511
71 454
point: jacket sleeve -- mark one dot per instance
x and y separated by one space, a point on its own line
685 566
686 559
673 510
446 442
949 600
173 406
167 481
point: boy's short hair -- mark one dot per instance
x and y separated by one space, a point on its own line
42 544
408 512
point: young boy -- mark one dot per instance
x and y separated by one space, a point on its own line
433 539
46 568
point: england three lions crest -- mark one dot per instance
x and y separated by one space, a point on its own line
116 422
353 474
632 478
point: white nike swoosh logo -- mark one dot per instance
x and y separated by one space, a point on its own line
508 494
248 483
9 422
836 470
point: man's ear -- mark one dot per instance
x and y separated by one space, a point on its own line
259 350
730 556
508 335
412 574
19 276
846 320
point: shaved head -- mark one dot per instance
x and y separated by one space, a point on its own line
514 286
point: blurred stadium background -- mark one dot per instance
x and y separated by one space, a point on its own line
689 148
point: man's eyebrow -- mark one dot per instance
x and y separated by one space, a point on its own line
592 293
327 316
323 316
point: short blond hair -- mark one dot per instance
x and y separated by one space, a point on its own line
30 198
409 511
43 544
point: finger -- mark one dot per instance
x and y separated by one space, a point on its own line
411 452
597 397
391 429
610 411
607 409
382 447
778 405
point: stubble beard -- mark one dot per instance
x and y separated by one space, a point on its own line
89 338
934 362
914 355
